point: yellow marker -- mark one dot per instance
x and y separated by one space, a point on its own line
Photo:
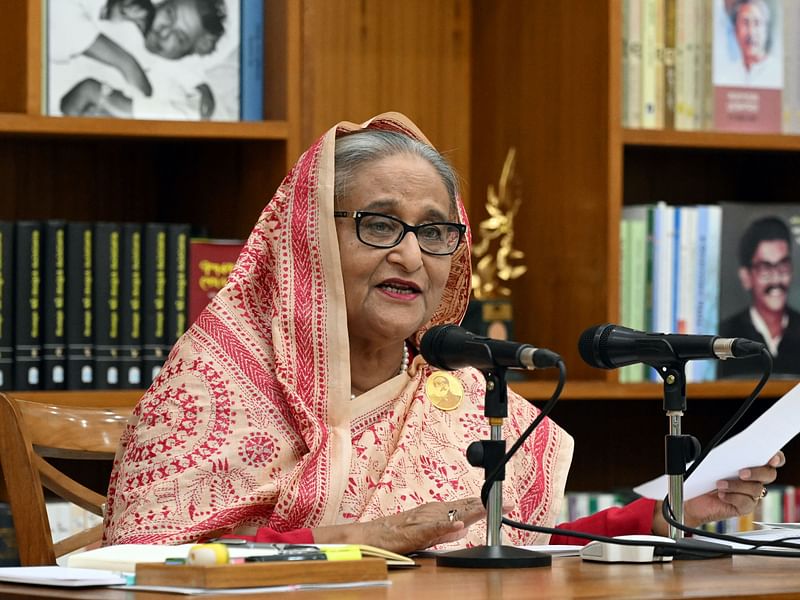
206 555
341 552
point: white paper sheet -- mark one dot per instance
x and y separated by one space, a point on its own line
752 447
60 576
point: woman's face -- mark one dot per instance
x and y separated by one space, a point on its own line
391 292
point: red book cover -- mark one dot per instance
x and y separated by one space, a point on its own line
210 263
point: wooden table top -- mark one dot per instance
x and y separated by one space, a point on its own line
739 577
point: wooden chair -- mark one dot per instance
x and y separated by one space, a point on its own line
32 431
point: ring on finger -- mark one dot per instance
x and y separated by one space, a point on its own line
451 515
763 493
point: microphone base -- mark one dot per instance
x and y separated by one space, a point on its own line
494 557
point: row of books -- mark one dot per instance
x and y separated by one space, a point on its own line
99 305
780 505
683 270
711 64
131 59
669 276
89 305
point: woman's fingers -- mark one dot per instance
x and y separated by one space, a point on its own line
467 510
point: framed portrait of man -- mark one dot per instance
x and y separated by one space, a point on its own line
759 294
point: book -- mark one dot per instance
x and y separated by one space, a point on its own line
632 64
759 294
705 72
27 306
177 309
652 115
210 263
709 224
662 288
748 66
154 299
664 222
669 60
54 322
79 306
685 270
639 251
106 302
625 284
129 62
6 305
252 60
687 105
791 67
130 303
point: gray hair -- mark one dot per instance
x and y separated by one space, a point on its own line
355 150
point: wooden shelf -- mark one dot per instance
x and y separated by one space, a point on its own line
13 123
604 390
710 139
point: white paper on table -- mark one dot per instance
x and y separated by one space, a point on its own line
60 576
752 447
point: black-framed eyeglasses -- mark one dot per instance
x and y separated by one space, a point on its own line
764 270
384 231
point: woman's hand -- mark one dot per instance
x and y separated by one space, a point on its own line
415 529
733 497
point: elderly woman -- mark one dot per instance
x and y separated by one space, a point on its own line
296 406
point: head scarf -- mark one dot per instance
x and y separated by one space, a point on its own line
250 422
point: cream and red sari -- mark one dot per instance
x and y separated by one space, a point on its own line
250 422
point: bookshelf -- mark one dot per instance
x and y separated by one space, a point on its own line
477 77
215 175
153 170
578 168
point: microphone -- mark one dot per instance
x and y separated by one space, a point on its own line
611 346
451 347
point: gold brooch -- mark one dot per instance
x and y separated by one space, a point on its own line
444 390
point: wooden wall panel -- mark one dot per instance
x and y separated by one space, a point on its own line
364 57
540 82
14 55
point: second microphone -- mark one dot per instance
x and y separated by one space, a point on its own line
452 347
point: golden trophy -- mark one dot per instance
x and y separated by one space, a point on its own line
490 312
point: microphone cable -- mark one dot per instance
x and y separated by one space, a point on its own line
661 548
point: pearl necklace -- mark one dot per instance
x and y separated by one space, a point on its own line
403 365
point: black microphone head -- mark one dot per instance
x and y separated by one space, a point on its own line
591 345
432 342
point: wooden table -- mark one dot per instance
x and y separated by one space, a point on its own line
740 577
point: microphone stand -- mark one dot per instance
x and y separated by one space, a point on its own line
489 454
678 450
